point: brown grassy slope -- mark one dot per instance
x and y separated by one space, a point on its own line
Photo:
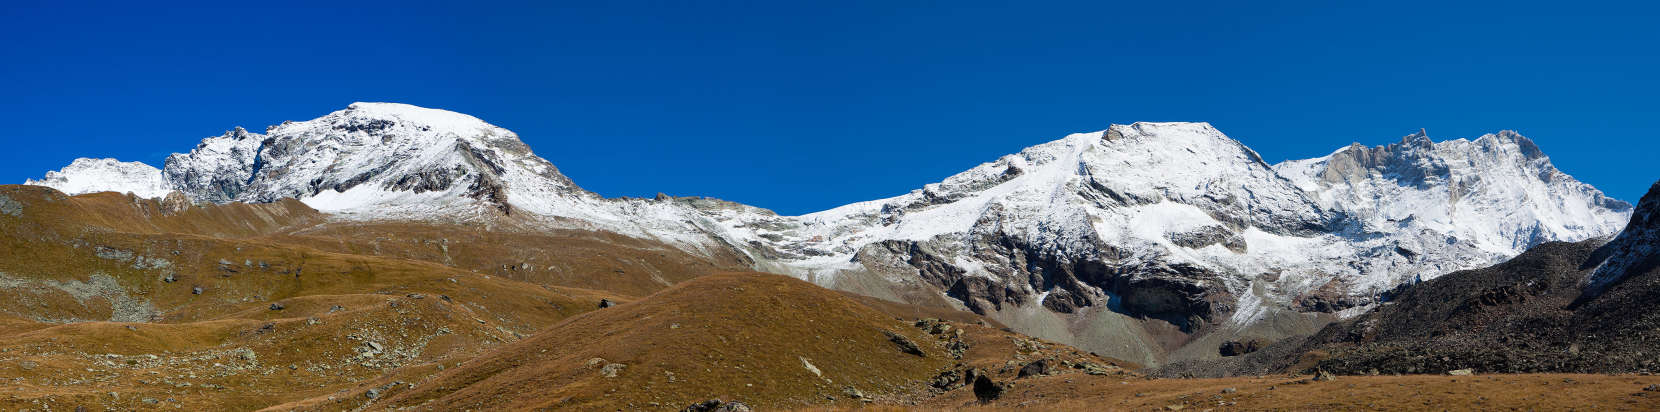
70 265
740 336
571 258
1552 392
47 208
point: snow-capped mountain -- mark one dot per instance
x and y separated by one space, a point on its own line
1095 239
86 175
1176 221
390 158
1499 192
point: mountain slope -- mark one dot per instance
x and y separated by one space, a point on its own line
1591 307
1084 239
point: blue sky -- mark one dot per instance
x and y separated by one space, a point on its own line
801 107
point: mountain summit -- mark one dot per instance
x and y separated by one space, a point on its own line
371 156
1147 241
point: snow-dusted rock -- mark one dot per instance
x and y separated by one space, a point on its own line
86 175
1634 251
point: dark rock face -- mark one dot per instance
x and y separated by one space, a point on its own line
1184 295
1635 251
1210 235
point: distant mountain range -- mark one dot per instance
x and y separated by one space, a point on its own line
1149 242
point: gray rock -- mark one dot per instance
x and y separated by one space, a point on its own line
905 344
278 306
1462 372
1323 376
853 392
10 207
716 405
611 370
1039 367
606 303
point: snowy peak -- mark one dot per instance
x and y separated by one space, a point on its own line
1498 192
87 175
371 156
218 169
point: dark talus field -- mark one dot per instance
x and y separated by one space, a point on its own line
394 257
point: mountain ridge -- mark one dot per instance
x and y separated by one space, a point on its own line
1124 229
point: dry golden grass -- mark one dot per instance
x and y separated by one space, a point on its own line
1541 392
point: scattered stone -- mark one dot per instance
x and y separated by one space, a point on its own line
1229 390
1096 369
373 393
415 296
1652 388
905 344
1323 376
716 405
606 303
1462 372
956 347
195 290
27 365
1039 367
949 380
852 392
168 278
810 367
278 306
611 370
336 308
